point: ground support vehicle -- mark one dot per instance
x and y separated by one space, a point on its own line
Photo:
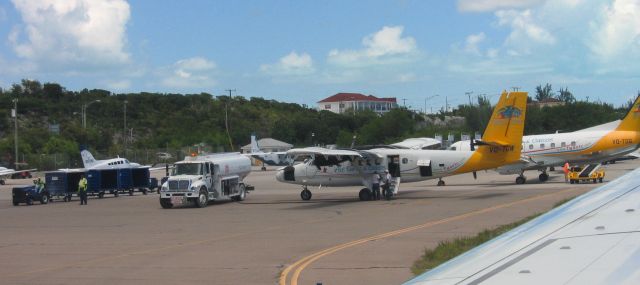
63 183
28 194
590 173
200 179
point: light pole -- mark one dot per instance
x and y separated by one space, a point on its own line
84 113
15 127
425 101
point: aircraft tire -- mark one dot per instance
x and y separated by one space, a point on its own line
441 183
1 182
305 195
543 177
365 194
520 180
130 192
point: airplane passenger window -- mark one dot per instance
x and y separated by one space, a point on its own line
541 146
530 146
563 144
405 160
553 145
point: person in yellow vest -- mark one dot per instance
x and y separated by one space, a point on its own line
82 190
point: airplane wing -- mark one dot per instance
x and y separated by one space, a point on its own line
593 239
323 151
11 171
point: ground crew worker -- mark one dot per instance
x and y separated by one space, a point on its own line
82 190
39 185
386 183
375 185
565 169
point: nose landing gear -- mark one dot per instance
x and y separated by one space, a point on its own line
305 194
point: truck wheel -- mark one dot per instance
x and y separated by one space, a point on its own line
242 195
130 192
100 195
202 199
44 199
165 203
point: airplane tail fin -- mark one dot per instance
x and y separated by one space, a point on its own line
631 121
87 159
502 138
254 144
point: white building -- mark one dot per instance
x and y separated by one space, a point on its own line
343 102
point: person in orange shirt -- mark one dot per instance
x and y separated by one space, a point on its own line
565 169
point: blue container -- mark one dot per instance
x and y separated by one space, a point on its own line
93 181
62 183
125 180
140 177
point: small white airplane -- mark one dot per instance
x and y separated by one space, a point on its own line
592 239
113 163
8 172
279 158
419 143
592 145
339 167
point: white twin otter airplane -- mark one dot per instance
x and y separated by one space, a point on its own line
500 145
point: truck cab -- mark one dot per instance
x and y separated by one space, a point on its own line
198 181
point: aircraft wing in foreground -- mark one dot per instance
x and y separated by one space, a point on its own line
593 239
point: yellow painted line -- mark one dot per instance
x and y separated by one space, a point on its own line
301 264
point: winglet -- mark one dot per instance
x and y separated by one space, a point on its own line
631 121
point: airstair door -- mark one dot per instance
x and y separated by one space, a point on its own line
393 165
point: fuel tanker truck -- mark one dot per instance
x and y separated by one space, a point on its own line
197 180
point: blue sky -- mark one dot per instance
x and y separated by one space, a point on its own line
304 51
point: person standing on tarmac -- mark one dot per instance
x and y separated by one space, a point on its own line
82 190
386 182
375 185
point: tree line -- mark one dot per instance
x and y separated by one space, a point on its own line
173 121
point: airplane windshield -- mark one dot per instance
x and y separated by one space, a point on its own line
187 169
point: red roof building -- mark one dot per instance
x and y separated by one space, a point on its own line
343 102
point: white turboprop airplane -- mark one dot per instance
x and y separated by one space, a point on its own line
593 239
326 167
591 145
113 163
279 158
7 172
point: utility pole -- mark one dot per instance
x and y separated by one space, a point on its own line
404 102
515 88
469 95
446 104
226 116
15 127
425 102
124 134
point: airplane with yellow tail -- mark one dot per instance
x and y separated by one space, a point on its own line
500 145
587 146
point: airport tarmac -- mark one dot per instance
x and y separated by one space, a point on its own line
271 237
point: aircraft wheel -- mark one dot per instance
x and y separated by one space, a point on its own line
365 194
441 183
165 203
144 191
1 182
520 180
130 192
116 193
543 177
305 194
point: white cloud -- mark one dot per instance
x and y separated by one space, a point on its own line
619 32
472 42
71 33
492 5
290 64
385 46
526 33
118 85
195 72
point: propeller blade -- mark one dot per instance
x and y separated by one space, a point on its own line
475 175
473 145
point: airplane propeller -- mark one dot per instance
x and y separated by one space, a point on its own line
472 143
475 175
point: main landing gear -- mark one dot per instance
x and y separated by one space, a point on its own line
521 179
440 182
305 194
543 176
365 194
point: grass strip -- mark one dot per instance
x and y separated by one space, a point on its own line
449 249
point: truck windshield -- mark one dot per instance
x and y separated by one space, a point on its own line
187 169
